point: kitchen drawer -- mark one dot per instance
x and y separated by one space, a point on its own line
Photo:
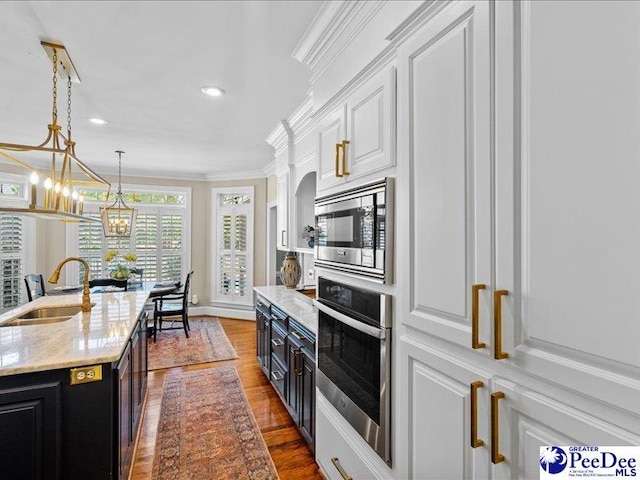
303 336
336 445
278 343
279 317
278 376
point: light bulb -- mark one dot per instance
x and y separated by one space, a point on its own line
48 184
65 191
34 178
74 195
58 187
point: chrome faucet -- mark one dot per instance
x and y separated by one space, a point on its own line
86 300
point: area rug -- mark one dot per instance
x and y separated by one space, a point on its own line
207 430
207 342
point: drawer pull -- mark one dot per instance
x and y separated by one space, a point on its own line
496 456
276 376
338 147
475 441
344 157
276 342
297 336
282 243
475 315
343 474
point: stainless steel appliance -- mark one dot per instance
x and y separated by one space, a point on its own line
355 231
354 359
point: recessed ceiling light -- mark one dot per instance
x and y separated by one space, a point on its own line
212 91
98 121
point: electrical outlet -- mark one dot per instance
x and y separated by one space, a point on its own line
312 273
86 374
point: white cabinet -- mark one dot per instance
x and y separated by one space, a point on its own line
439 416
520 199
445 89
357 138
340 451
283 212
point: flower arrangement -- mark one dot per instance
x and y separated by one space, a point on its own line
309 234
119 265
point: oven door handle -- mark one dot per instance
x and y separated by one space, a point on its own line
361 327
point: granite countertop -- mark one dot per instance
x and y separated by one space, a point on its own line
99 336
293 303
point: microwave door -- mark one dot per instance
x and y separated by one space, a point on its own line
339 232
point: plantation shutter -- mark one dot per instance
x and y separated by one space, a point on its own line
147 245
90 237
233 225
172 234
11 260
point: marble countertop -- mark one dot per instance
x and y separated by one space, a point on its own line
99 336
293 303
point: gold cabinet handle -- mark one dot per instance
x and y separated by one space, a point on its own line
497 324
282 237
344 157
475 315
343 474
338 147
475 441
496 456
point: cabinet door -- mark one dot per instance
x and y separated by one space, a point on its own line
293 388
436 416
283 212
371 116
444 86
331 131
136 380
31 431
568 211
124 411
528 420
307 391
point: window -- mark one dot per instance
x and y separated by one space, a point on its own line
16 243
233 237
159 238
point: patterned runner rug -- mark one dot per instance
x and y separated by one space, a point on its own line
207 342
207 430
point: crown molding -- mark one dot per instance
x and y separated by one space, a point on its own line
270 168
235 175
416 20
332 30
301 120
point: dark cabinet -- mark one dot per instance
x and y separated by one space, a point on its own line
30 432
263 336
286 353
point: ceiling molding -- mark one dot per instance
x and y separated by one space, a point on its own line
416 20
301 120
270 168
278 138
333 29
238 175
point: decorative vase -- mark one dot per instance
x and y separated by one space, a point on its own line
291 271
311 243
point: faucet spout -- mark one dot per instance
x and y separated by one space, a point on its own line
55 276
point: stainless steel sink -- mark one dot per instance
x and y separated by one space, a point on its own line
41 316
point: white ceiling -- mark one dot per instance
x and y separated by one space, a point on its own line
142 65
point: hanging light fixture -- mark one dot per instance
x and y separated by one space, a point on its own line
62 198
118 218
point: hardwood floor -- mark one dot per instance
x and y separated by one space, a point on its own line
291 455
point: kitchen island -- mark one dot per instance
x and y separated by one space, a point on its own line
72 390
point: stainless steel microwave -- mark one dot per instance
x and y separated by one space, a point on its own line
354 231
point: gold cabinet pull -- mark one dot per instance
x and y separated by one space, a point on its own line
282 238
475 441
344 157
497 324
496 456
338 147
343 474
475 315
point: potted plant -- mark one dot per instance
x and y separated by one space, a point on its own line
119 266
309 234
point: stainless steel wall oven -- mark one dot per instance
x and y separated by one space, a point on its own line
355 231
354 359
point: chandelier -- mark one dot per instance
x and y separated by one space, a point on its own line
62 198
118 218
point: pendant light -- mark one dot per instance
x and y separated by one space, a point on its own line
61 198
118 218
